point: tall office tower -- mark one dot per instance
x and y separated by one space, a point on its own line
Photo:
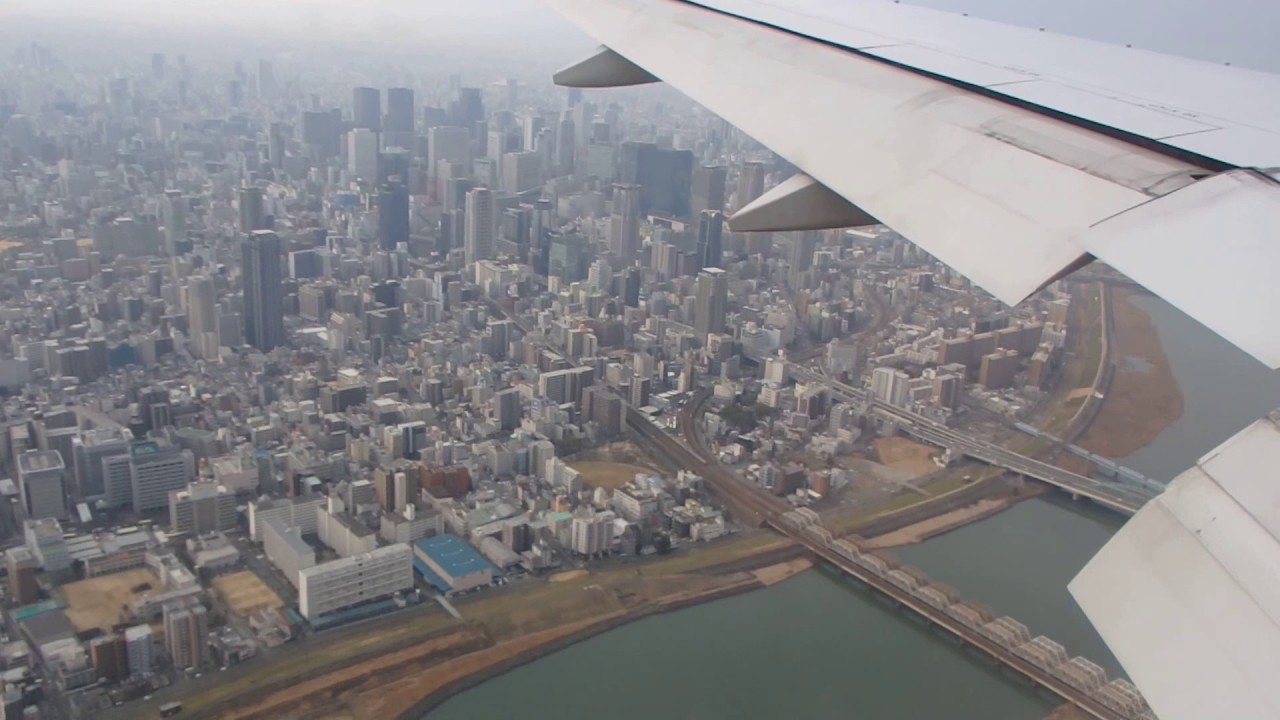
41 479
90 450
154 410
202 316
155 471
505 406
631 280
468 109
803 243
710 302
362 154
393 215
22 566
624 224
140 649
277 133
398 128
664 177
707 191
266 80
186 625
750 184
566 256
521 171
173 213
366 108
566 147
481 225
253 209
449 144
322 133
261 276
157 65
710 247
539 237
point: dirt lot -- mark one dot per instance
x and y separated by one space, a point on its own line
904 454
1144 397
608 475
245 593
101 602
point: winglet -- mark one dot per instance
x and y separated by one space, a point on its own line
799 203
605 68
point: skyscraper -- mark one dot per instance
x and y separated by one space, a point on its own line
174 212
468 109
710 247
624 225
41 480
803 243
362 154
707 191
261 276
710 302
202 316
253 209
448 144
664 177
366 108
393 215
481 225
398 128
566 146
750 183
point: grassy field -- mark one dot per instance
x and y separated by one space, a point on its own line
102 602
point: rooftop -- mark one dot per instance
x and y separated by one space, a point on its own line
38 460
453 555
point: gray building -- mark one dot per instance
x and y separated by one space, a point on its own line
202 508
41 477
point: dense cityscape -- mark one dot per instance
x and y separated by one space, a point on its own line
282 356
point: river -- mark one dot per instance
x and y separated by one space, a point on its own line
817 647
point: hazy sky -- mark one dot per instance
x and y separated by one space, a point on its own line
1237 31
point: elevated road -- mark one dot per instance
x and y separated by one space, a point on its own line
1119 498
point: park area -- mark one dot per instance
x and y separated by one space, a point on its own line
245 593
103 602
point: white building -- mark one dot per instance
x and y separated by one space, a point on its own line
592 535
341 532
45 541
140 649
156 471
481 225
355 580
285 548
298 512
362 154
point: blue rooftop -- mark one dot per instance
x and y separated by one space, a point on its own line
453 555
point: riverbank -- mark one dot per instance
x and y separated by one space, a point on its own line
1143 397
945 522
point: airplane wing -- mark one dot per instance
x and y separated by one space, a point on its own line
1016 156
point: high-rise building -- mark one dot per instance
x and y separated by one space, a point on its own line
398 128
710 302
253 209
366 108
174 217
624 224
393 215
186 626
202 316
42 476
266 80
664 177
506 408
481 225
362 154
157 470
566 256
45 541
890 385
261 276
521 171
706 192
202 508
710 247
468 110
446 143
750 184
803 244
22 565
566 147
322 132
140 650
109 656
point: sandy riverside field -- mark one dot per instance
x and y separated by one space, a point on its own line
1144 397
